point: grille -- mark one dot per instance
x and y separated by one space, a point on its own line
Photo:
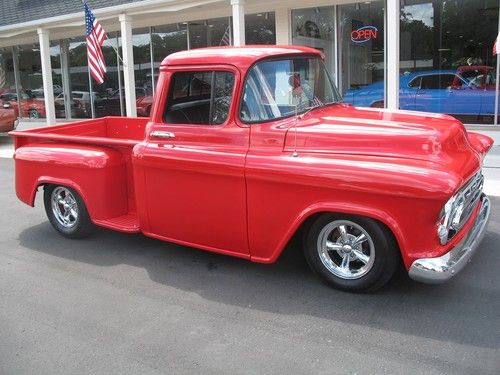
469 195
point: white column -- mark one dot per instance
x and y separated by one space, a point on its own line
282 17
48 90
128 65
392 48
66 81
238 22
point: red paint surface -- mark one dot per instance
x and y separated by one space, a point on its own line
236 189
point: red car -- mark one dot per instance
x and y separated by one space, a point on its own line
247 148
479 76
31 107
8 117
144 104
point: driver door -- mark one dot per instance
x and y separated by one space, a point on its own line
194 164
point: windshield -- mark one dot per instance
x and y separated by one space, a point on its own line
278 88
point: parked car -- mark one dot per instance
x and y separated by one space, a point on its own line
31 107
80 104
8 117
144 105
110 106
247 148
480 76
465 93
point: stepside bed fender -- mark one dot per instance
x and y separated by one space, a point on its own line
97 173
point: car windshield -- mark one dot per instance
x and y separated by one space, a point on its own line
279 88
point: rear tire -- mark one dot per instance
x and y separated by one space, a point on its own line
67 212
351 253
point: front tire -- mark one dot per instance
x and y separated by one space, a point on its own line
351 253
67 212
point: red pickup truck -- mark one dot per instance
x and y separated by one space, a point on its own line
248 147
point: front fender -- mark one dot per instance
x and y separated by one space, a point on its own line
350 208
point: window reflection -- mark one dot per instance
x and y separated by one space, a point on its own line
260 28
443 38
206 33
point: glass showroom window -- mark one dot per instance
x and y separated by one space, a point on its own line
7 79
106 96
143 76
165 39
55 63
314 27
260 28
206 33
79 76
109 99
441 40
361 53
31 103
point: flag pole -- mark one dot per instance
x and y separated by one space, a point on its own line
495 121
91 93
91 85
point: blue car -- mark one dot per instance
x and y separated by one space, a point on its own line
466 96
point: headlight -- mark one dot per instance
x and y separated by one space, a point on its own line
450 218
459 208
444 220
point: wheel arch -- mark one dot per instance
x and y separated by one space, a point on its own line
44 181
305 218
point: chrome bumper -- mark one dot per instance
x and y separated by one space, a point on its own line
440 269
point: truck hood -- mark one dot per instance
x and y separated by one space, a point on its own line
343 129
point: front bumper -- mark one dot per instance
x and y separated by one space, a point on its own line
440 269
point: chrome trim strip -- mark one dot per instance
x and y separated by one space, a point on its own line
440 269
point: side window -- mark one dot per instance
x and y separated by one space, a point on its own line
199 98
415 82
437 81
430 82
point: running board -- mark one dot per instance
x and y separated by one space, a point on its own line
128 223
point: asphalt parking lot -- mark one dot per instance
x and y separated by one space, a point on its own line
117 303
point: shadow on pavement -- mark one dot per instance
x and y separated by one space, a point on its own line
460 311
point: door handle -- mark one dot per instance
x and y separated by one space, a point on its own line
162 134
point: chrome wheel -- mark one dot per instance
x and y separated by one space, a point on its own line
33 114
346 249
64 207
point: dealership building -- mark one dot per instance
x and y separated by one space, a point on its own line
429 55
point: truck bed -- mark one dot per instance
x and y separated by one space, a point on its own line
36 150
101 131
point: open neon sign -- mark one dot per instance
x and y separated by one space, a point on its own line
364 34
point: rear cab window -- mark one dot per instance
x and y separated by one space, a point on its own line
199 97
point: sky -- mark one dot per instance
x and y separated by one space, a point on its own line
421 12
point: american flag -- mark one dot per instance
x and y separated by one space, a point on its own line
95 38
226 38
